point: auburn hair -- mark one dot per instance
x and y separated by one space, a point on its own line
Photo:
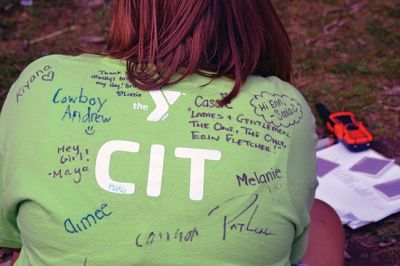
233 38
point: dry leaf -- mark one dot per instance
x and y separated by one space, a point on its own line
93 39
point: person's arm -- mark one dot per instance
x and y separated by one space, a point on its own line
15 256
5 254
9 254
325 237
13 121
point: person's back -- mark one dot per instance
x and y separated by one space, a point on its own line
96 171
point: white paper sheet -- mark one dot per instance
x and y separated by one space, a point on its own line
351 193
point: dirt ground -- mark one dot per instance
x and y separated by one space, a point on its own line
347 56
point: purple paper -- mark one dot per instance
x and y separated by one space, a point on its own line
324 166
390 189
370 165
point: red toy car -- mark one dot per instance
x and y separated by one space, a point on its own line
349 131
344 125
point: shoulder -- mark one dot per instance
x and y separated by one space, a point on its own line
36 74
43 64
50 71
273 85
28 93
278 102
58 58
52 62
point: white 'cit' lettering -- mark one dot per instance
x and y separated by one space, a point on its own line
156 165
198 158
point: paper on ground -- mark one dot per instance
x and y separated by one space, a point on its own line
351 193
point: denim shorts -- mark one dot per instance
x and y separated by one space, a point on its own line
299 264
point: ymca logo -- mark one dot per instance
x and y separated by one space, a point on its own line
162 99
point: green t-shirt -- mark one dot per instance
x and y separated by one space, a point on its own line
96 172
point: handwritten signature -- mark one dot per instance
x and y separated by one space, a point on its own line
155 237
243 221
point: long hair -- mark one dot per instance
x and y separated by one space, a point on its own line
233 38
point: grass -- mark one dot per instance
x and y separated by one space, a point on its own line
352 67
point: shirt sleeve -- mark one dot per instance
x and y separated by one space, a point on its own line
17 113
299 246
302 180
21 128
9 232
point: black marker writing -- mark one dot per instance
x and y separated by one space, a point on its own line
241 222
280 110
73 161
154 237
257 179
